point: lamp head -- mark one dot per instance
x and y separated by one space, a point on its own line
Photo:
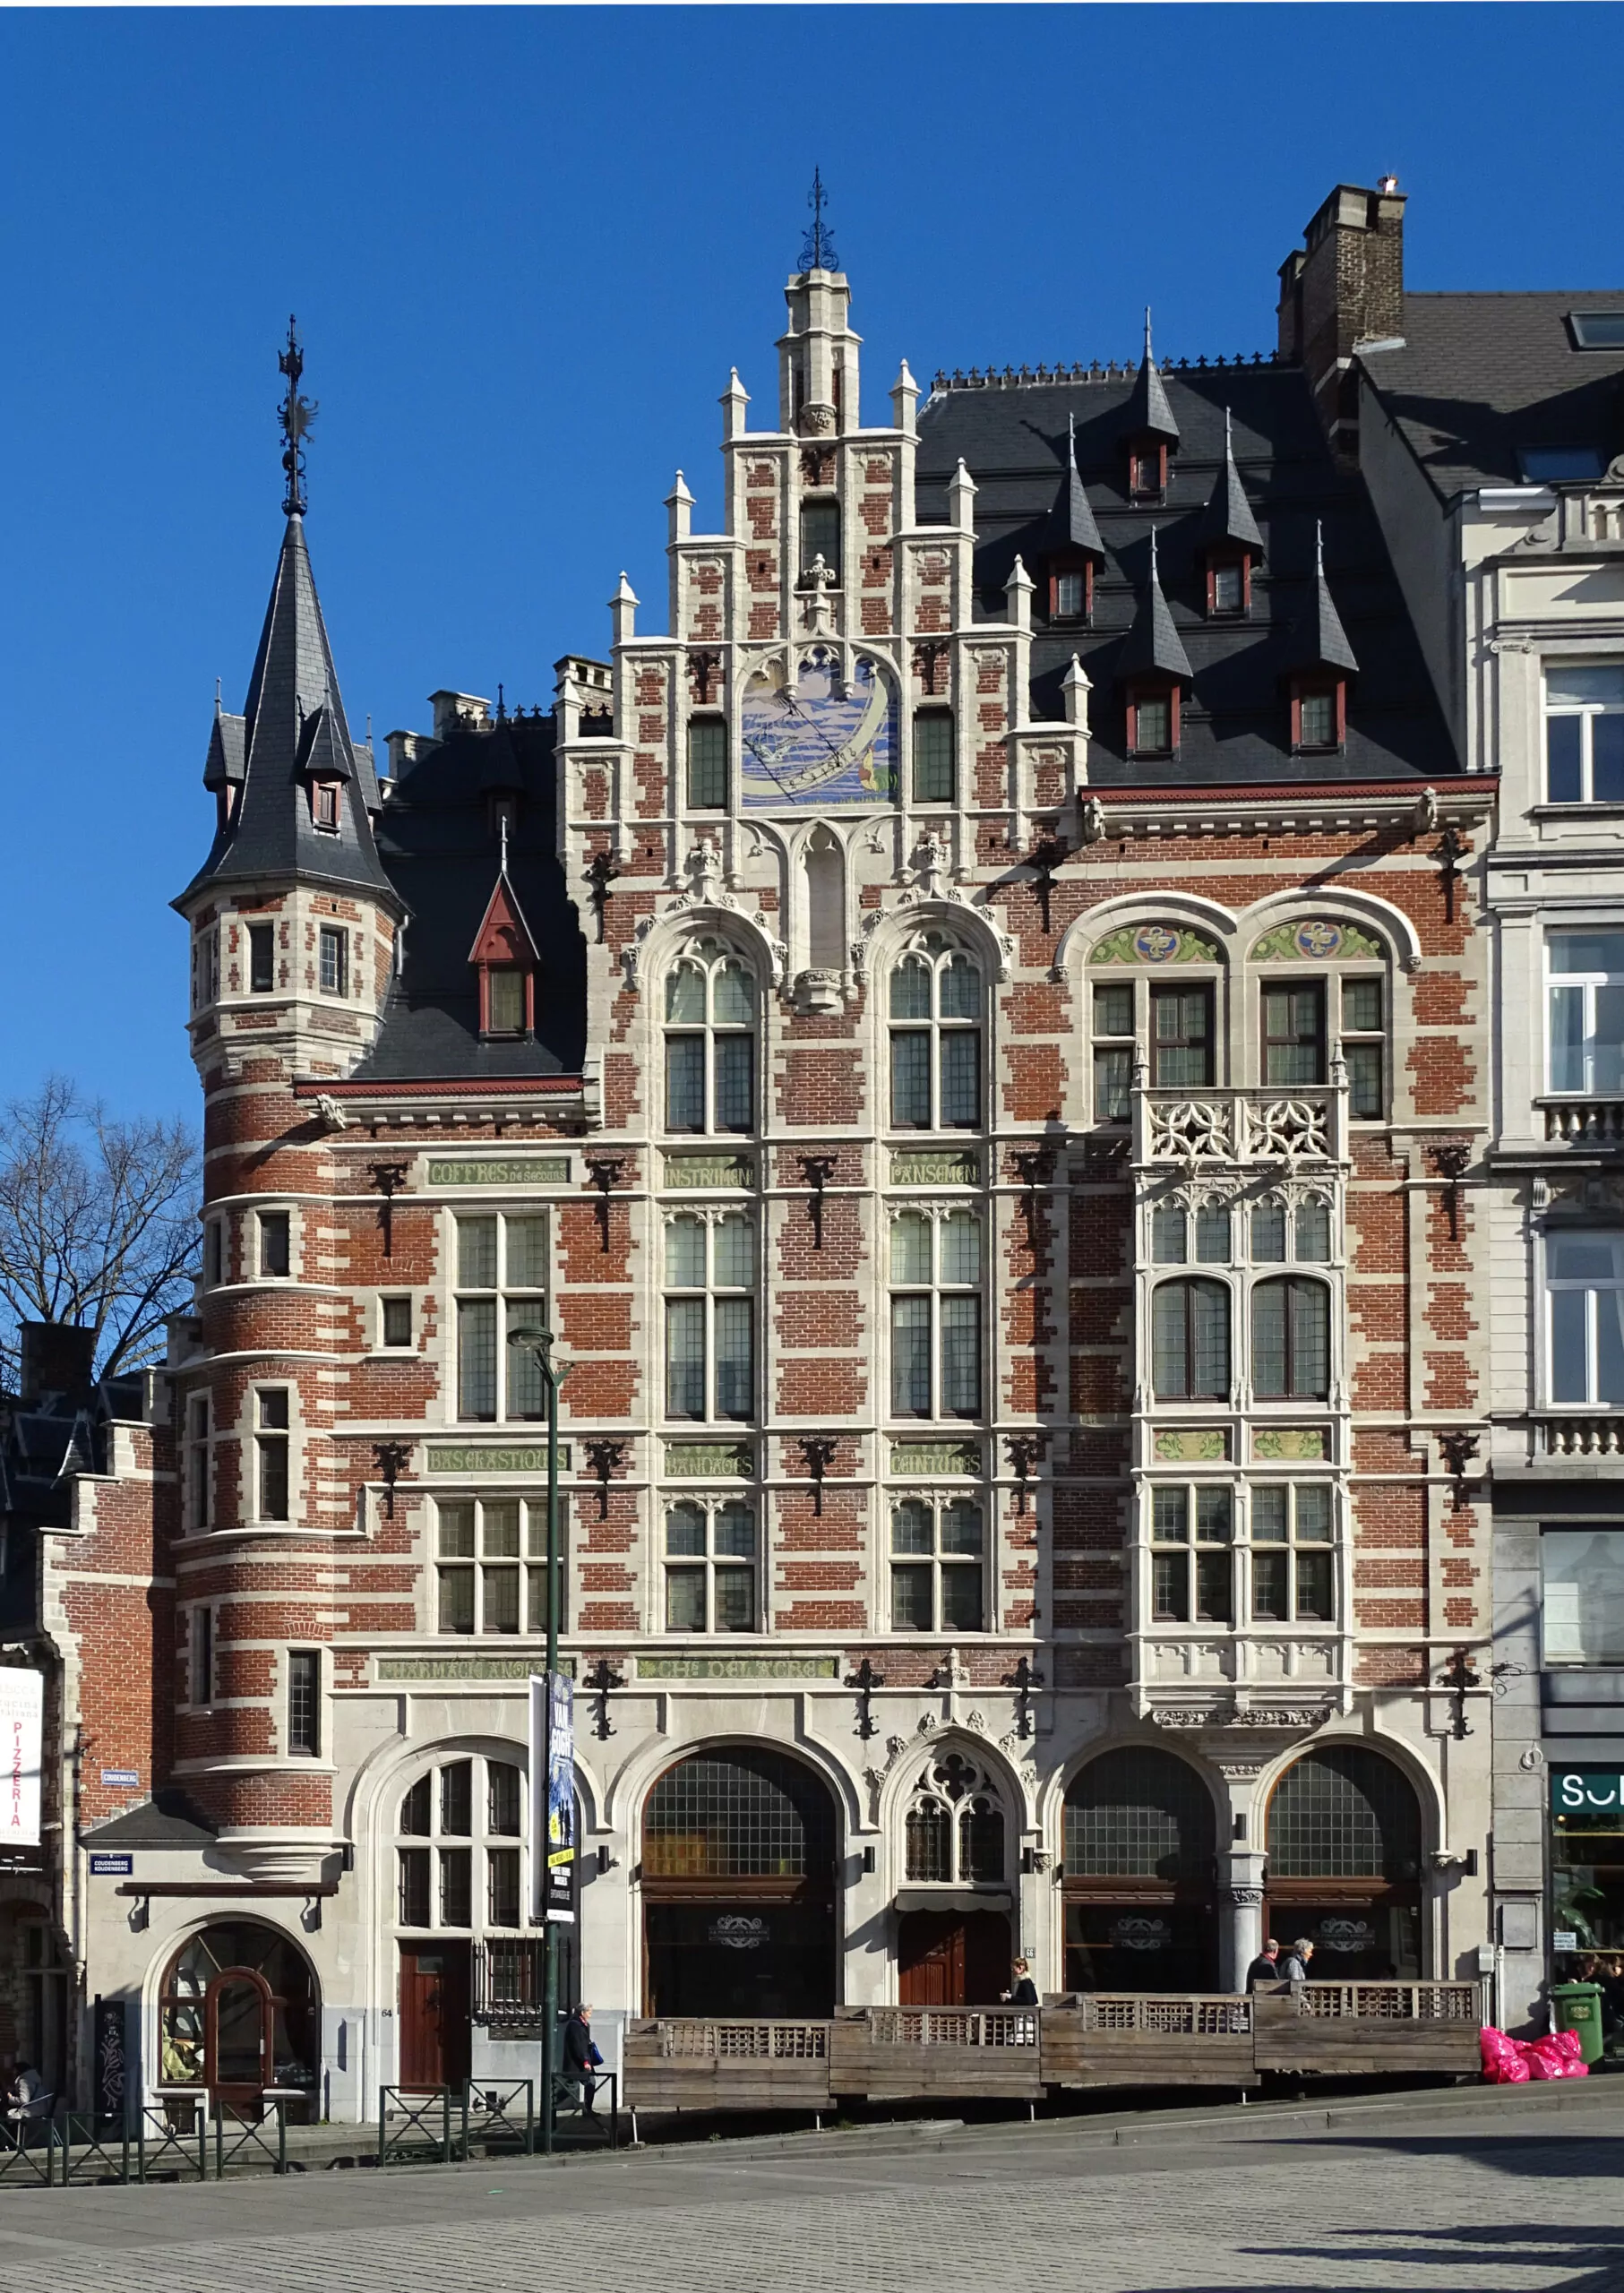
529 1334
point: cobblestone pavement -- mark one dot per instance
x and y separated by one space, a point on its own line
1512 2202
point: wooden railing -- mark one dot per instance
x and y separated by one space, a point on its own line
1173 2016
950 2026
1390 2002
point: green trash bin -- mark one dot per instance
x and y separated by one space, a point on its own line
1577 2007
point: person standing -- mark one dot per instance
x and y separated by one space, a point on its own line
1293 1966
1022 1990
1266 1966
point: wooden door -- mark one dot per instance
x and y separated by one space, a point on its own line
953 1958
435 2028
238 2022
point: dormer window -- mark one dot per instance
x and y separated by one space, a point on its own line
1070 589
1229 586
1318 714
1153 719
820 536
324 805
504 814
507 999
1147 469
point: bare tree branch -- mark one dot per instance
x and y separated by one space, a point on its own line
97 1225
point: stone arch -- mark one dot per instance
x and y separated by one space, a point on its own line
1138 1851
1085 932
1344 1831
1335 899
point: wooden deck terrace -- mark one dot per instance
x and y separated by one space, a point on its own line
1018 2054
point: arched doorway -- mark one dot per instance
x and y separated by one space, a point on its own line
953 1942
1343 1839
239 2017
1138 1875
738 1879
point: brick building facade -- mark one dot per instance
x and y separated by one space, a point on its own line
960 1039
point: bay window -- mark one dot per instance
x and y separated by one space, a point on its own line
1190 1341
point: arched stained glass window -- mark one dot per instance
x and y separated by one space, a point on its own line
1345 1812
1138 1813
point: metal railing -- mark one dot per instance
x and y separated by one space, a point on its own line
430 2125
248 2139
509 1979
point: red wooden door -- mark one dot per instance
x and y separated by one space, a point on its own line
953 1958
435 2029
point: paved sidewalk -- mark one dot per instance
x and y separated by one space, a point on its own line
1515 2198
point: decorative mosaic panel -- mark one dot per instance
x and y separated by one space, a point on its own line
1208 1446
499 1170
1315 940
704 1460
709 1169
737 1668
1291 1443
926 1459
466 1457
913 1166
820 742
466 1668
1156 943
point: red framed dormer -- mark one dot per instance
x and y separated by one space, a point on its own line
1152 705
1229 584
1070 588
1147 468
1319 712
503 955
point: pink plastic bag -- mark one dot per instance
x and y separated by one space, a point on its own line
1503 2058
1560 2056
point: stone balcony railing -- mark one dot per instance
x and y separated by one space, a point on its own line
1584 1122
1599 1435
1260 1128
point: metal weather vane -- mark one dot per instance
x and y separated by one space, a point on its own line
818 248
297 416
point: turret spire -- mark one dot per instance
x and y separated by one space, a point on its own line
297 416
818 248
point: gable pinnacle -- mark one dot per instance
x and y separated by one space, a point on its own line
818 248
296 415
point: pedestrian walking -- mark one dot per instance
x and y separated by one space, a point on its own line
1022 1990
581 2057
1293 1966
1266 1966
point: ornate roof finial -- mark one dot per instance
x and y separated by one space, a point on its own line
817 249
296 415
1320 548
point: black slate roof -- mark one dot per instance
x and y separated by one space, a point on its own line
167 1819
1482 378
439 844
1235 724
292 731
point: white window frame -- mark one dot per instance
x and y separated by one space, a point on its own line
527 1562
513 1304
386 1344
333 935
479 1841
709 1294
302 1751
937 950
1594 1290
1586 712
936 1289
268 1437
1586 983
1291 1546
1191 1546
267 1218
941 1564
710 1505
711 957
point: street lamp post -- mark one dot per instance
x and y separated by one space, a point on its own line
538 1342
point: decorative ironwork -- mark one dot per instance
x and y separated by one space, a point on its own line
1450 1157
1290 1128
600 873
392 1458
817 1170
1043 859
1458 1679
705 667
1458 1449
297 416
1025 1681
604 1459
866 1679
929 654
602 1681
389 1178
818 247
1451 849
1025 1450
818 1451
1035 1168
605 1171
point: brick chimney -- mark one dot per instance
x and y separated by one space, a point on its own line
1344 286
57 1358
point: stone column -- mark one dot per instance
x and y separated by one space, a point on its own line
1241 1914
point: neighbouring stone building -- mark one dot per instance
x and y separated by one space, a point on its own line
967 1041
1490 432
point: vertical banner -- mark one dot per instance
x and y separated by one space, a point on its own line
553 1797
109 2069
22 1722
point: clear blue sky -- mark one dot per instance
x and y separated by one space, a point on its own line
525 246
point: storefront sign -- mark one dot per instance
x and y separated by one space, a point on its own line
709 1169
112 1867
463 1668
929 1458
736 1930
1587 1791
703 1460
502 1170
22 1725
912 1166
737 1668
552 1795
108 2067
468 1458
